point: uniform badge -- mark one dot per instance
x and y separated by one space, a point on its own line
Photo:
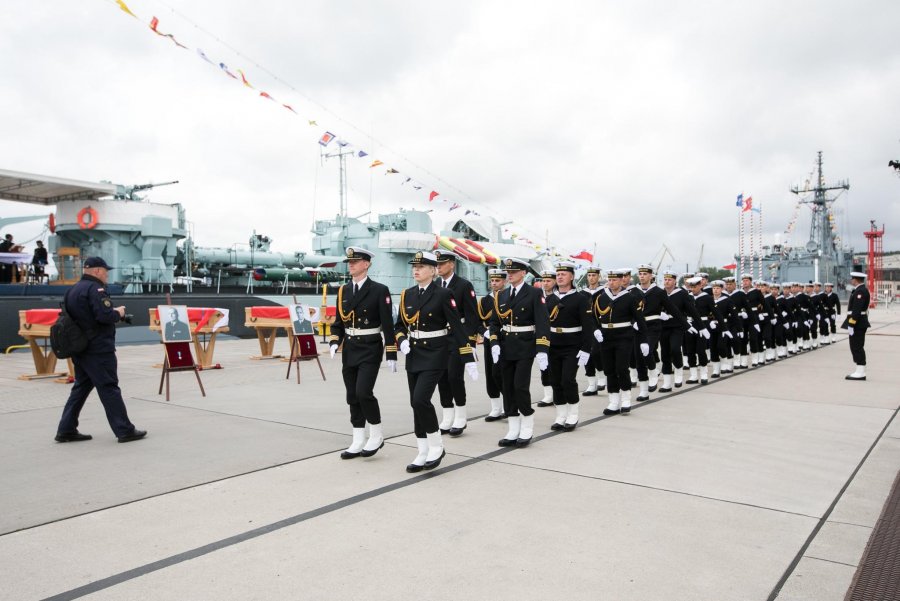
543 301
387 300
452 303
99 289
472 292
107 302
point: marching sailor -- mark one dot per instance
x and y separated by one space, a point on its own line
571 334
428 327
779 329
720 340
824 303
739 301
594 368
857 322
521 325
617 311
363 326
756 314
697 344
834 308
492 374
452 386
656 302
770 321
675 324
548 283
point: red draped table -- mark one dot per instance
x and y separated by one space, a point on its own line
34 327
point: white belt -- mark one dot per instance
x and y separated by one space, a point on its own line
621 324
564 330
704 318
508 328
363 332
652 317
864 313
419 334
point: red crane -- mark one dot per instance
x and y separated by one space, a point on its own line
874 272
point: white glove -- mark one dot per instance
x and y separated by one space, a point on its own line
583 358
404 347
705 333
787 325
743 314
645 349
472 371
392 365
598 335
727 334
542 361
762 317
487 334
850 330
740 334
495 353
832 319
818 316
784 313
713 325
774 321
795 324
635 326
332 348
692 330
756 327
664 316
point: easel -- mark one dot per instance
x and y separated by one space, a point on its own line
178 358
303 348
34 327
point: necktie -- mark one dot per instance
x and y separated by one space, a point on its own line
444 282
512 294
355 289
421 291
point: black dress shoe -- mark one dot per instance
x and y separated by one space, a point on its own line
856 379
349 455
611 412
72 437
643 398
569 427
366 453
716 375
589 393
543 404
456 431
135 435
430 465
665 390
505 442
678 384
412 468
556 426
447 431
651 388
692 381
704 382
601 386
521 443
625 410
493 418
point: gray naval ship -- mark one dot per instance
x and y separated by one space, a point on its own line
150 246
823 257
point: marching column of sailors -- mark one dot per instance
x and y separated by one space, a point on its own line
623 335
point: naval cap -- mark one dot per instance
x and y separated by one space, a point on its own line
357 253
747 276
593 269
817 283
92 262
644 268
443 256
423 257
729 278
693 281
566 266
547 274
829 284
513 264
670 273
858 274
703 274
496 274
718 284
616 272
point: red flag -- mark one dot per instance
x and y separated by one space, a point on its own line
432 196
729 267
585 255
289 107
748 204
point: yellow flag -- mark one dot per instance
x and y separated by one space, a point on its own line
125 8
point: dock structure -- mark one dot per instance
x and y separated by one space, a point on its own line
761 485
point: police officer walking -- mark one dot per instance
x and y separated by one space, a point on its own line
89 305
857 322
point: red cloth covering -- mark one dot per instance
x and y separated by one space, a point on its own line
44 317
198 315
331 311
271 312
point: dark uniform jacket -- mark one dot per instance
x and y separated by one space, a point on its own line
590 295
528 308
88 303
756 304
858 309
804 306
770 305
707 310
464 295
368 309
617 314
727 311
570 310
682 309
834 303
792 308
818 304
655 302
432 311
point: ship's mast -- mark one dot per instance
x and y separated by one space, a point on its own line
821 236
341 154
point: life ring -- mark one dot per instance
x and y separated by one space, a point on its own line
52 223
87 225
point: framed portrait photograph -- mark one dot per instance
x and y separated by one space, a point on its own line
173 321
301 319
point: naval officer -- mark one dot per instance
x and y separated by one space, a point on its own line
429 329
492 374
857 322
363 325
521 325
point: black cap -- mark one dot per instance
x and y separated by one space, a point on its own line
444 256
423 257
92 262
357 253
512 264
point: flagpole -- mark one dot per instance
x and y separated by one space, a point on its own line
741 236
760 242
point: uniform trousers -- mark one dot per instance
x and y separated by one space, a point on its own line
421 389
779 334
803 334
545 378
563 368
823 324
492 374
857 346
754 336
768 334
359 382
670 343
595 363
517 386
98 371
695 349
452 386
718 345
833 322
616 349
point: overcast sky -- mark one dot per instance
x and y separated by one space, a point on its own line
628 125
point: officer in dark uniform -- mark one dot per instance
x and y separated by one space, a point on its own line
548 284
594 368
656 302
364 326
756 315
177 330
571 335
88 303
824 313
617 312
429 329
834 308
492 372
521 325
857 322
452 386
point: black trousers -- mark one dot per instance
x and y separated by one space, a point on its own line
545 378
595 363
779 334
421 389
670 343
823 325
768 334
359 382
857 346
492 374
517 386
718 348
695 349
562 371
616 350
452 386
834 323
98 371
